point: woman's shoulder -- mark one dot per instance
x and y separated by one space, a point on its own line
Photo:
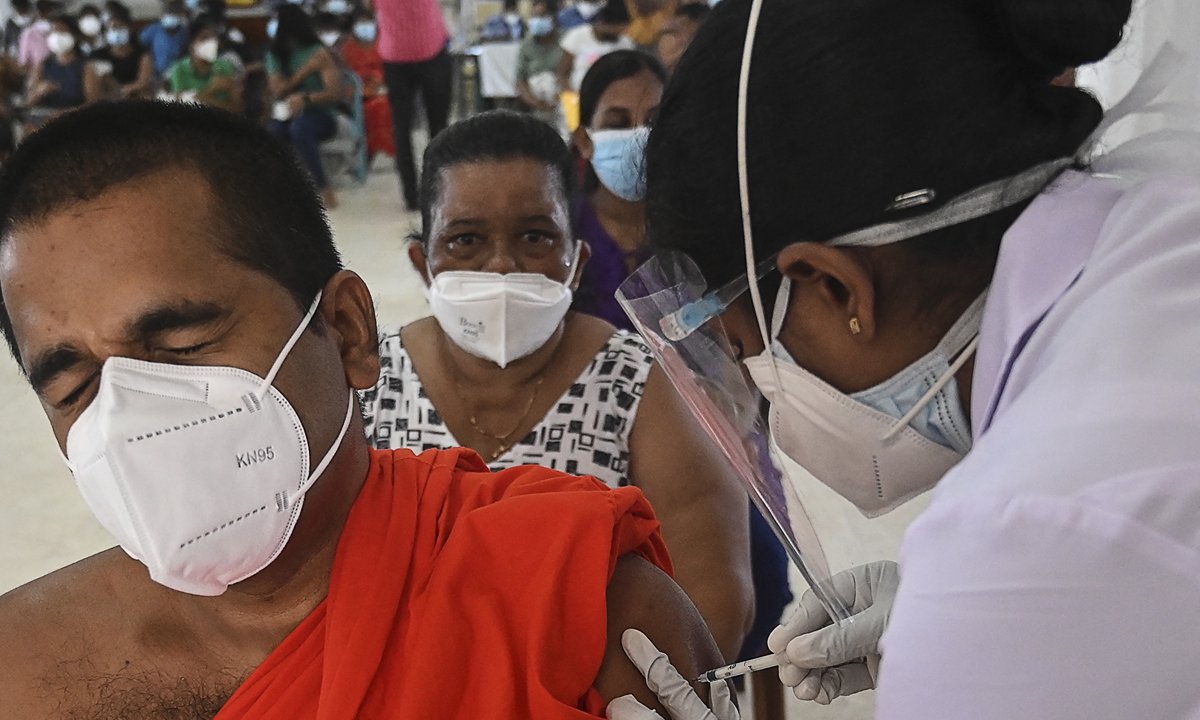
391 345
626 355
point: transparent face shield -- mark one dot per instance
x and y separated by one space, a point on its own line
668 302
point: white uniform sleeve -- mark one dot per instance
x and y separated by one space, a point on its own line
1068 608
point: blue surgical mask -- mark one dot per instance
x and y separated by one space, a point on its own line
618 160
942 419
272 28
192 5
171 22
337 7
541 26
117 37
365 31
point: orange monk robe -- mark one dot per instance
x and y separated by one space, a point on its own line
458 593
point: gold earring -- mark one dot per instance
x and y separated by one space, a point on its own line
855 327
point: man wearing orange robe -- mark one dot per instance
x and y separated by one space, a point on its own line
184 242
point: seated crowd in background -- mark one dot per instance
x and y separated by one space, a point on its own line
54 61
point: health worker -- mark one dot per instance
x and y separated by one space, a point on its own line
971 293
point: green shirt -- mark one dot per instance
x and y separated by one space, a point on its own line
184 78
536 57
313 83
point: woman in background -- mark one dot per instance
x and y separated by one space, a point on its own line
305 81
122 68
617 101
506 369
56 84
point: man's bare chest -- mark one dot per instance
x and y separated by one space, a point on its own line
145 694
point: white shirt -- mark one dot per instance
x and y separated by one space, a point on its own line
581 42
1057 571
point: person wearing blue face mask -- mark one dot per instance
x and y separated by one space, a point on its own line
537 65
122 68
167 39
618 98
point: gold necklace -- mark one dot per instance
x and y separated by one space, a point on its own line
503 439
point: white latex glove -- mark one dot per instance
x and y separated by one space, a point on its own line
672 689
825 661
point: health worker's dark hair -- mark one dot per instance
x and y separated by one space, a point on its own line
855 102
267 214
489 136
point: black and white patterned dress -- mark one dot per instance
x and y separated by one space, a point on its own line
585 433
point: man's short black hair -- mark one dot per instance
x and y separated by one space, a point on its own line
270 217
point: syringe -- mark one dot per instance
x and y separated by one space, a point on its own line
745 667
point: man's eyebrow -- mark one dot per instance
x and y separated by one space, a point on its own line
537 218
466 222
173 316
52 363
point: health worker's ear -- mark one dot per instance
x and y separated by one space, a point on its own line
833 293
416 255
349 315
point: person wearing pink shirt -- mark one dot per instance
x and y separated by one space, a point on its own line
32 48
412 42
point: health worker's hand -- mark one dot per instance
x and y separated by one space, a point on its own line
672 689
826 661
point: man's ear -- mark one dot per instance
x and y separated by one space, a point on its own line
585 254
349 311
583 141
416 255
832 285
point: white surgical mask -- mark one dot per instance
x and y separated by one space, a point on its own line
881 447
60 43
43 26
90 25
330 38
499 317
198 471
207 50
22 20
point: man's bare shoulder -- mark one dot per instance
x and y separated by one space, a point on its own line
71 624
642 596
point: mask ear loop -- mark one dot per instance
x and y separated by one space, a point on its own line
927 398
287 348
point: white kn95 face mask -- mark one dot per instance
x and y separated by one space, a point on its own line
198 471
881 447
500 317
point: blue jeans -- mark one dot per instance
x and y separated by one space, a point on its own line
306 132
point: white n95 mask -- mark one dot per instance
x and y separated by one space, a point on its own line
881 447
198 471
499 317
